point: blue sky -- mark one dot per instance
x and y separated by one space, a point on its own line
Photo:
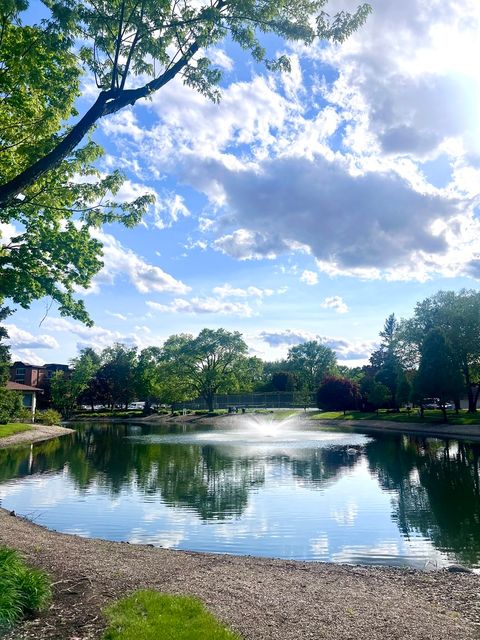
305 205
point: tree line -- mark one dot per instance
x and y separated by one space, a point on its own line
435 353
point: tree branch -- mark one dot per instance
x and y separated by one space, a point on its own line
108 102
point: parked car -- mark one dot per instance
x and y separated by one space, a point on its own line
136 405
431 403
434 403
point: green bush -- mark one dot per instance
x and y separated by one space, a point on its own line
10 405
24 415
22 590
48 417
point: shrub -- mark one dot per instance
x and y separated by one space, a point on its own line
10 405
48 417
337 394
22 589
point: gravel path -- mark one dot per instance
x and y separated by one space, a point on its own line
260 598
38 433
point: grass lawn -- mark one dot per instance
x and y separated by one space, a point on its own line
149 615
13 427
430 416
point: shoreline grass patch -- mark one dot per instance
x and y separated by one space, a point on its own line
23 590
11 428
431 416
150 615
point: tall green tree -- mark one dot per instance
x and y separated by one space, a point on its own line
311 361
384 361
457 315
10 401
51 251
148 377
135 47
117 375
67 387
439 374
214 362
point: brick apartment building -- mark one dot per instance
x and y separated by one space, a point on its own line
34 375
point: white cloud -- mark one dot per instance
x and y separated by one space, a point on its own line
99 337
125 124
409 103
372 225
145 277
220 59
27 355
21 339
119 316
227 291
284 337
95 335
309 277
345 349
203 306
169 208
7 232
243 244
336 303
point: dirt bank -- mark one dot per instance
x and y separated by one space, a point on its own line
38 433
262 599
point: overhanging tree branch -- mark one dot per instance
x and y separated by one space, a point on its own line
107 103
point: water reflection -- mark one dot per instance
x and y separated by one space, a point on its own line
314 495
436 485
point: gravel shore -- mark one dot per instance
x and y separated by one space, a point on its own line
262 599
38 433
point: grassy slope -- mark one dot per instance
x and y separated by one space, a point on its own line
149 615
430 417
12 428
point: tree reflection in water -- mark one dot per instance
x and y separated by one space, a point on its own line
434 484
436 489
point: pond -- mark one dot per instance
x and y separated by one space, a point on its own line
263 487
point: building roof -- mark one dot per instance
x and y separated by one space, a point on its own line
16 386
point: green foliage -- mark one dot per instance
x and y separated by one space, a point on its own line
385 362
378 395
4 348
148 615
457 315
311 361
52 252
116 377
48 417
438 375
123 40
10 405
213 362
283 381
66 388
22 590
148 377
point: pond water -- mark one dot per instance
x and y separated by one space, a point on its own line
264 487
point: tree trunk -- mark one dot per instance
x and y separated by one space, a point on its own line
472 400
444 412
209 400
108 102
